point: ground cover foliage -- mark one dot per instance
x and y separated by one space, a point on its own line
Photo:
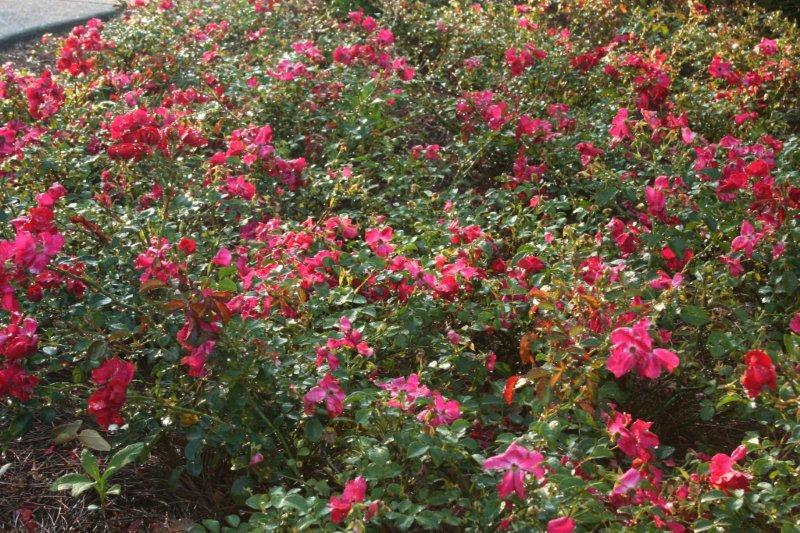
414 265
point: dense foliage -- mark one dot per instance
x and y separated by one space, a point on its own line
388 264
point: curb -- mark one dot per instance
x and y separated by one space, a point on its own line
54 27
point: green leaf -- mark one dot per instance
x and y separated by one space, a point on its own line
362 416
429 519
712 496
122 458
792 344
404 522
702 525
695 316
417 449
728 398
241 489
600 452
19 426
789 282
80 488
193 449
296 501
665 451
605 195
211 525
77 483
260 502
92 439
97 350
314 429
89 464
762 465
228 285
192 452
379 455
706 412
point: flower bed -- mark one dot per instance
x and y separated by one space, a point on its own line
417 265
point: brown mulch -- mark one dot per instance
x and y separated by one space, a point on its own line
34 54
147 501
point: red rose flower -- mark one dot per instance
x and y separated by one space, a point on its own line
760 373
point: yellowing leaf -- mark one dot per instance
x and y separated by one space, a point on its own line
92 439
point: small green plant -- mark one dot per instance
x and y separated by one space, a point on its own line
94 479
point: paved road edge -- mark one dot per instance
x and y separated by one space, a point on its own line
53 27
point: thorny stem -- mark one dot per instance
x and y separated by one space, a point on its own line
280 435
96 288
178 409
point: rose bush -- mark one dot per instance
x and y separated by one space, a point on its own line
418 265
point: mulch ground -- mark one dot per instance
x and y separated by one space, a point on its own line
32 54
147 502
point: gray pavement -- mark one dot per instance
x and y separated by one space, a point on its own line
23 19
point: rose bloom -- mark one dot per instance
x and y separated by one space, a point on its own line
760 373
517 461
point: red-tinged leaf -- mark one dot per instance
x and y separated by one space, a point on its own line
174 305
525 354
508 394
587 406
151 285
222 309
